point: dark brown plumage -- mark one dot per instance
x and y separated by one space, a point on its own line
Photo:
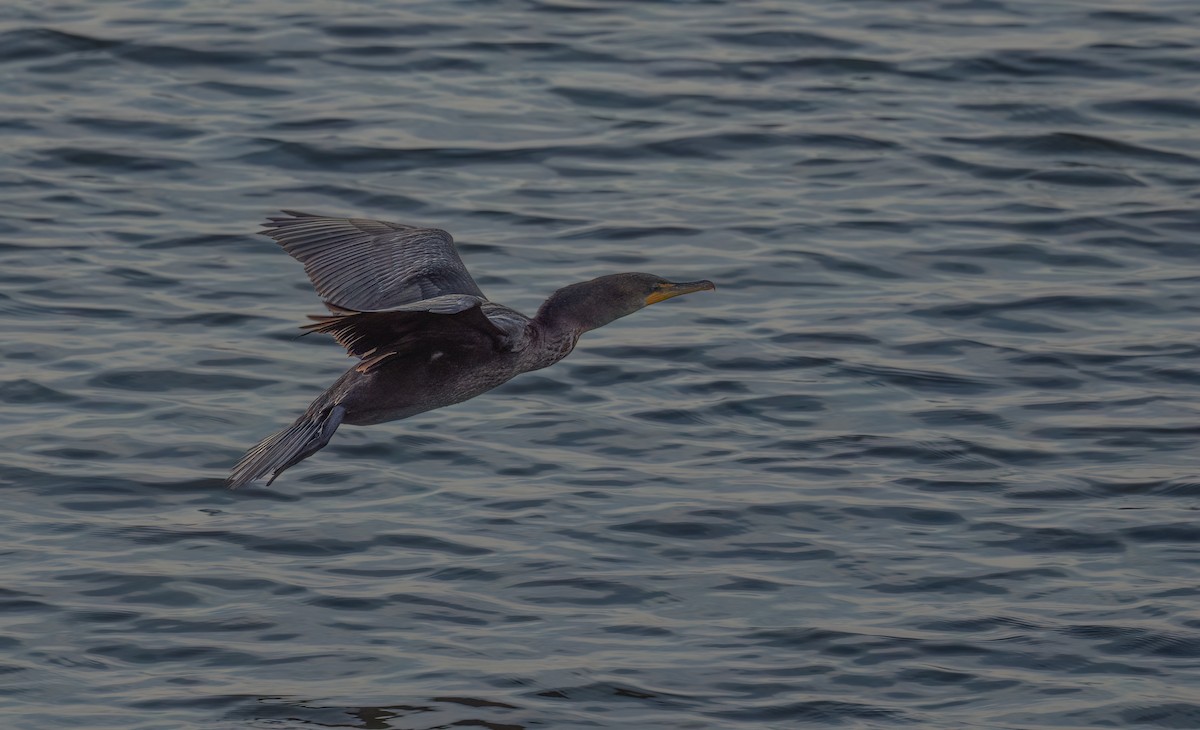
402 301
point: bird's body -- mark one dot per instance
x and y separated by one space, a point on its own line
443 374
402 301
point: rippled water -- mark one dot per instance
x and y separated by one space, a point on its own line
927 458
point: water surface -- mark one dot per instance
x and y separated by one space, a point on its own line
927 458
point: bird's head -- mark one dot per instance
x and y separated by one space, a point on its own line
591 304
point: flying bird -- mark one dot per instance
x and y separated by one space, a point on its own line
401 300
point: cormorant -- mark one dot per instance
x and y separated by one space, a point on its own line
403 302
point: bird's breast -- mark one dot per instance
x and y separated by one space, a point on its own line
546 350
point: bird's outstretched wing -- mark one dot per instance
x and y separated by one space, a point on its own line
362 264
452 322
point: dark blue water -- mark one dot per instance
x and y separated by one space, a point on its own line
927 458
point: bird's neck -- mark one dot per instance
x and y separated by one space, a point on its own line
547 345
576 309
555 332
563 318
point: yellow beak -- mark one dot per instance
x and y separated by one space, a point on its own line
666 291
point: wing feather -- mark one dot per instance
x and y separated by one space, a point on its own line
363 264
448 322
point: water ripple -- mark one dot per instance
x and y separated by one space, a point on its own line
926 458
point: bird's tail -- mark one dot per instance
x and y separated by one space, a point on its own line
297 442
